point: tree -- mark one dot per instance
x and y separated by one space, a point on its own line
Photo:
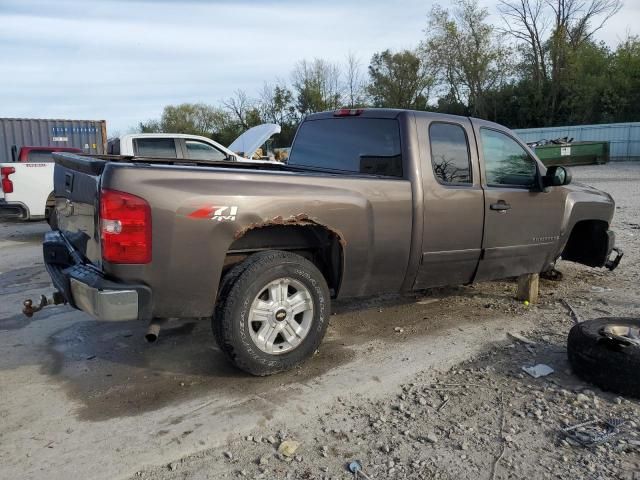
526 22
277 106
193 118
354 83
317 86
621 101
550 35
243 110
399 80
467 52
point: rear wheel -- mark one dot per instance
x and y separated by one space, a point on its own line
273 312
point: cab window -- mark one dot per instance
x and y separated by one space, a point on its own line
450 154
39 156
506 163
155 147
198 150
369 146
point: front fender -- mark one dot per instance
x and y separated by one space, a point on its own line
583 202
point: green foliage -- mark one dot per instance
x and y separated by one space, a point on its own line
467 53
317 86
399 80
552 73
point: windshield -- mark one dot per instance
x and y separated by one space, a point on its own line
355 145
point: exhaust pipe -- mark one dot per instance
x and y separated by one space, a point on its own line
153 332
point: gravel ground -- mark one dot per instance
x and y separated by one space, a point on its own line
427 385
483 418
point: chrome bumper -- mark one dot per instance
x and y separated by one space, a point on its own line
85 287
114 305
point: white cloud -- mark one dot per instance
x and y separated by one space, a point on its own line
123 60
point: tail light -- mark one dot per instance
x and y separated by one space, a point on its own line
348 112
7 184
125 226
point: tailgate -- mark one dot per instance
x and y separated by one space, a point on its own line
76 183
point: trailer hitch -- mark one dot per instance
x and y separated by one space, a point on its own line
29 308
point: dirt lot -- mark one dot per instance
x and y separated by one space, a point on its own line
424 386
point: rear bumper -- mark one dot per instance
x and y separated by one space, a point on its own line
85 287
13 210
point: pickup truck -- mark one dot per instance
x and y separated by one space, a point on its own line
194 147
371 201
27 185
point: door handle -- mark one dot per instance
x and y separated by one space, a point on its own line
500 206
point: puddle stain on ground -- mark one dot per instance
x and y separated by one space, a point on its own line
109 369
26 278
111 372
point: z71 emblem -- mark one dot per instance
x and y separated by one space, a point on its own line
218 213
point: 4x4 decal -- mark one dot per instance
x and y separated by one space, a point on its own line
216 212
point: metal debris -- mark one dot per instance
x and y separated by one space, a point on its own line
355 467
593 432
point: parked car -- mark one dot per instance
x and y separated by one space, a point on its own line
27 190
26 187
194 147
371 201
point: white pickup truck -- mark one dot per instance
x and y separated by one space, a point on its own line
26 187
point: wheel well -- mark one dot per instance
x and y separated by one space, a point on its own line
314 242
50 204
588 243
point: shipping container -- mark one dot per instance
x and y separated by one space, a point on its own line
623 138
88 135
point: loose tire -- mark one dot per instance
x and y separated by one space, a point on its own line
603 359
272 313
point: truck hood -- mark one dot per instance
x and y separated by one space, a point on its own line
588 189
247 143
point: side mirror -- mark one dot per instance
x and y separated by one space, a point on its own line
556 176
232 158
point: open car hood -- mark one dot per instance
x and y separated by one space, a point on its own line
247 143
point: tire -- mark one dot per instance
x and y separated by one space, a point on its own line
609 363
249 286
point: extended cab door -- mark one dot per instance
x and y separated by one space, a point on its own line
453 201
158 147
522 223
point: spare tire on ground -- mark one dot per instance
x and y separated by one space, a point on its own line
606 352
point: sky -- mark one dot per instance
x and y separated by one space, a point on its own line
123 61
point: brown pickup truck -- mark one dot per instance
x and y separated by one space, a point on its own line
371 201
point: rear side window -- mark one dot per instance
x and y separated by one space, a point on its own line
203 151
155 147
357 145
39 156
450 154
